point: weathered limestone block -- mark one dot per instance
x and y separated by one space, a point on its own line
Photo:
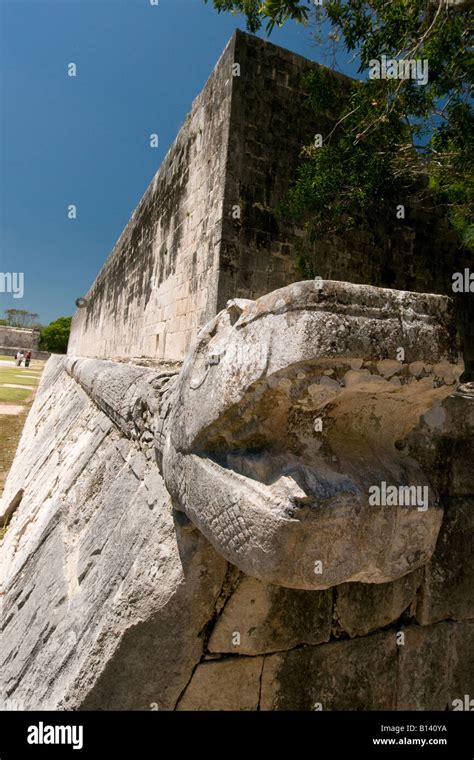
160 646
232 684
137 399
364 607
448 588
423 668
103 597
449 425
436 667
359 674
130 395
272 493
461 666
269 618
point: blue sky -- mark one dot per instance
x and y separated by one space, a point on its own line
85 140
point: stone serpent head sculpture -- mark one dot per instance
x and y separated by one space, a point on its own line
294 438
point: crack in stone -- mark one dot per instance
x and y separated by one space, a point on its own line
229 585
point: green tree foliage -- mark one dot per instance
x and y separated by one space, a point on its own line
271 11
393 137
21 318
55 336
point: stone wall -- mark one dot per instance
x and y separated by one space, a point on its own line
160 282
206 229
18 337
270 122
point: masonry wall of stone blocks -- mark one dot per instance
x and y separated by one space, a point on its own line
208 227
270 122
18 337
160 282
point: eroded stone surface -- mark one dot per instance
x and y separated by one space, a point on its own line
448 589
423 668
359 674
267 618
103 598
232 684
436 667
461 668
364 607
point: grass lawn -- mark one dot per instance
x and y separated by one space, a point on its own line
14 395
11 426
10 432
17 375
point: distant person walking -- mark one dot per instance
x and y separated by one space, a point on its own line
27 358
19 358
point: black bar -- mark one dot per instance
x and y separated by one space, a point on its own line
223 734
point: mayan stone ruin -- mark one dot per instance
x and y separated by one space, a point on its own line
241 490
